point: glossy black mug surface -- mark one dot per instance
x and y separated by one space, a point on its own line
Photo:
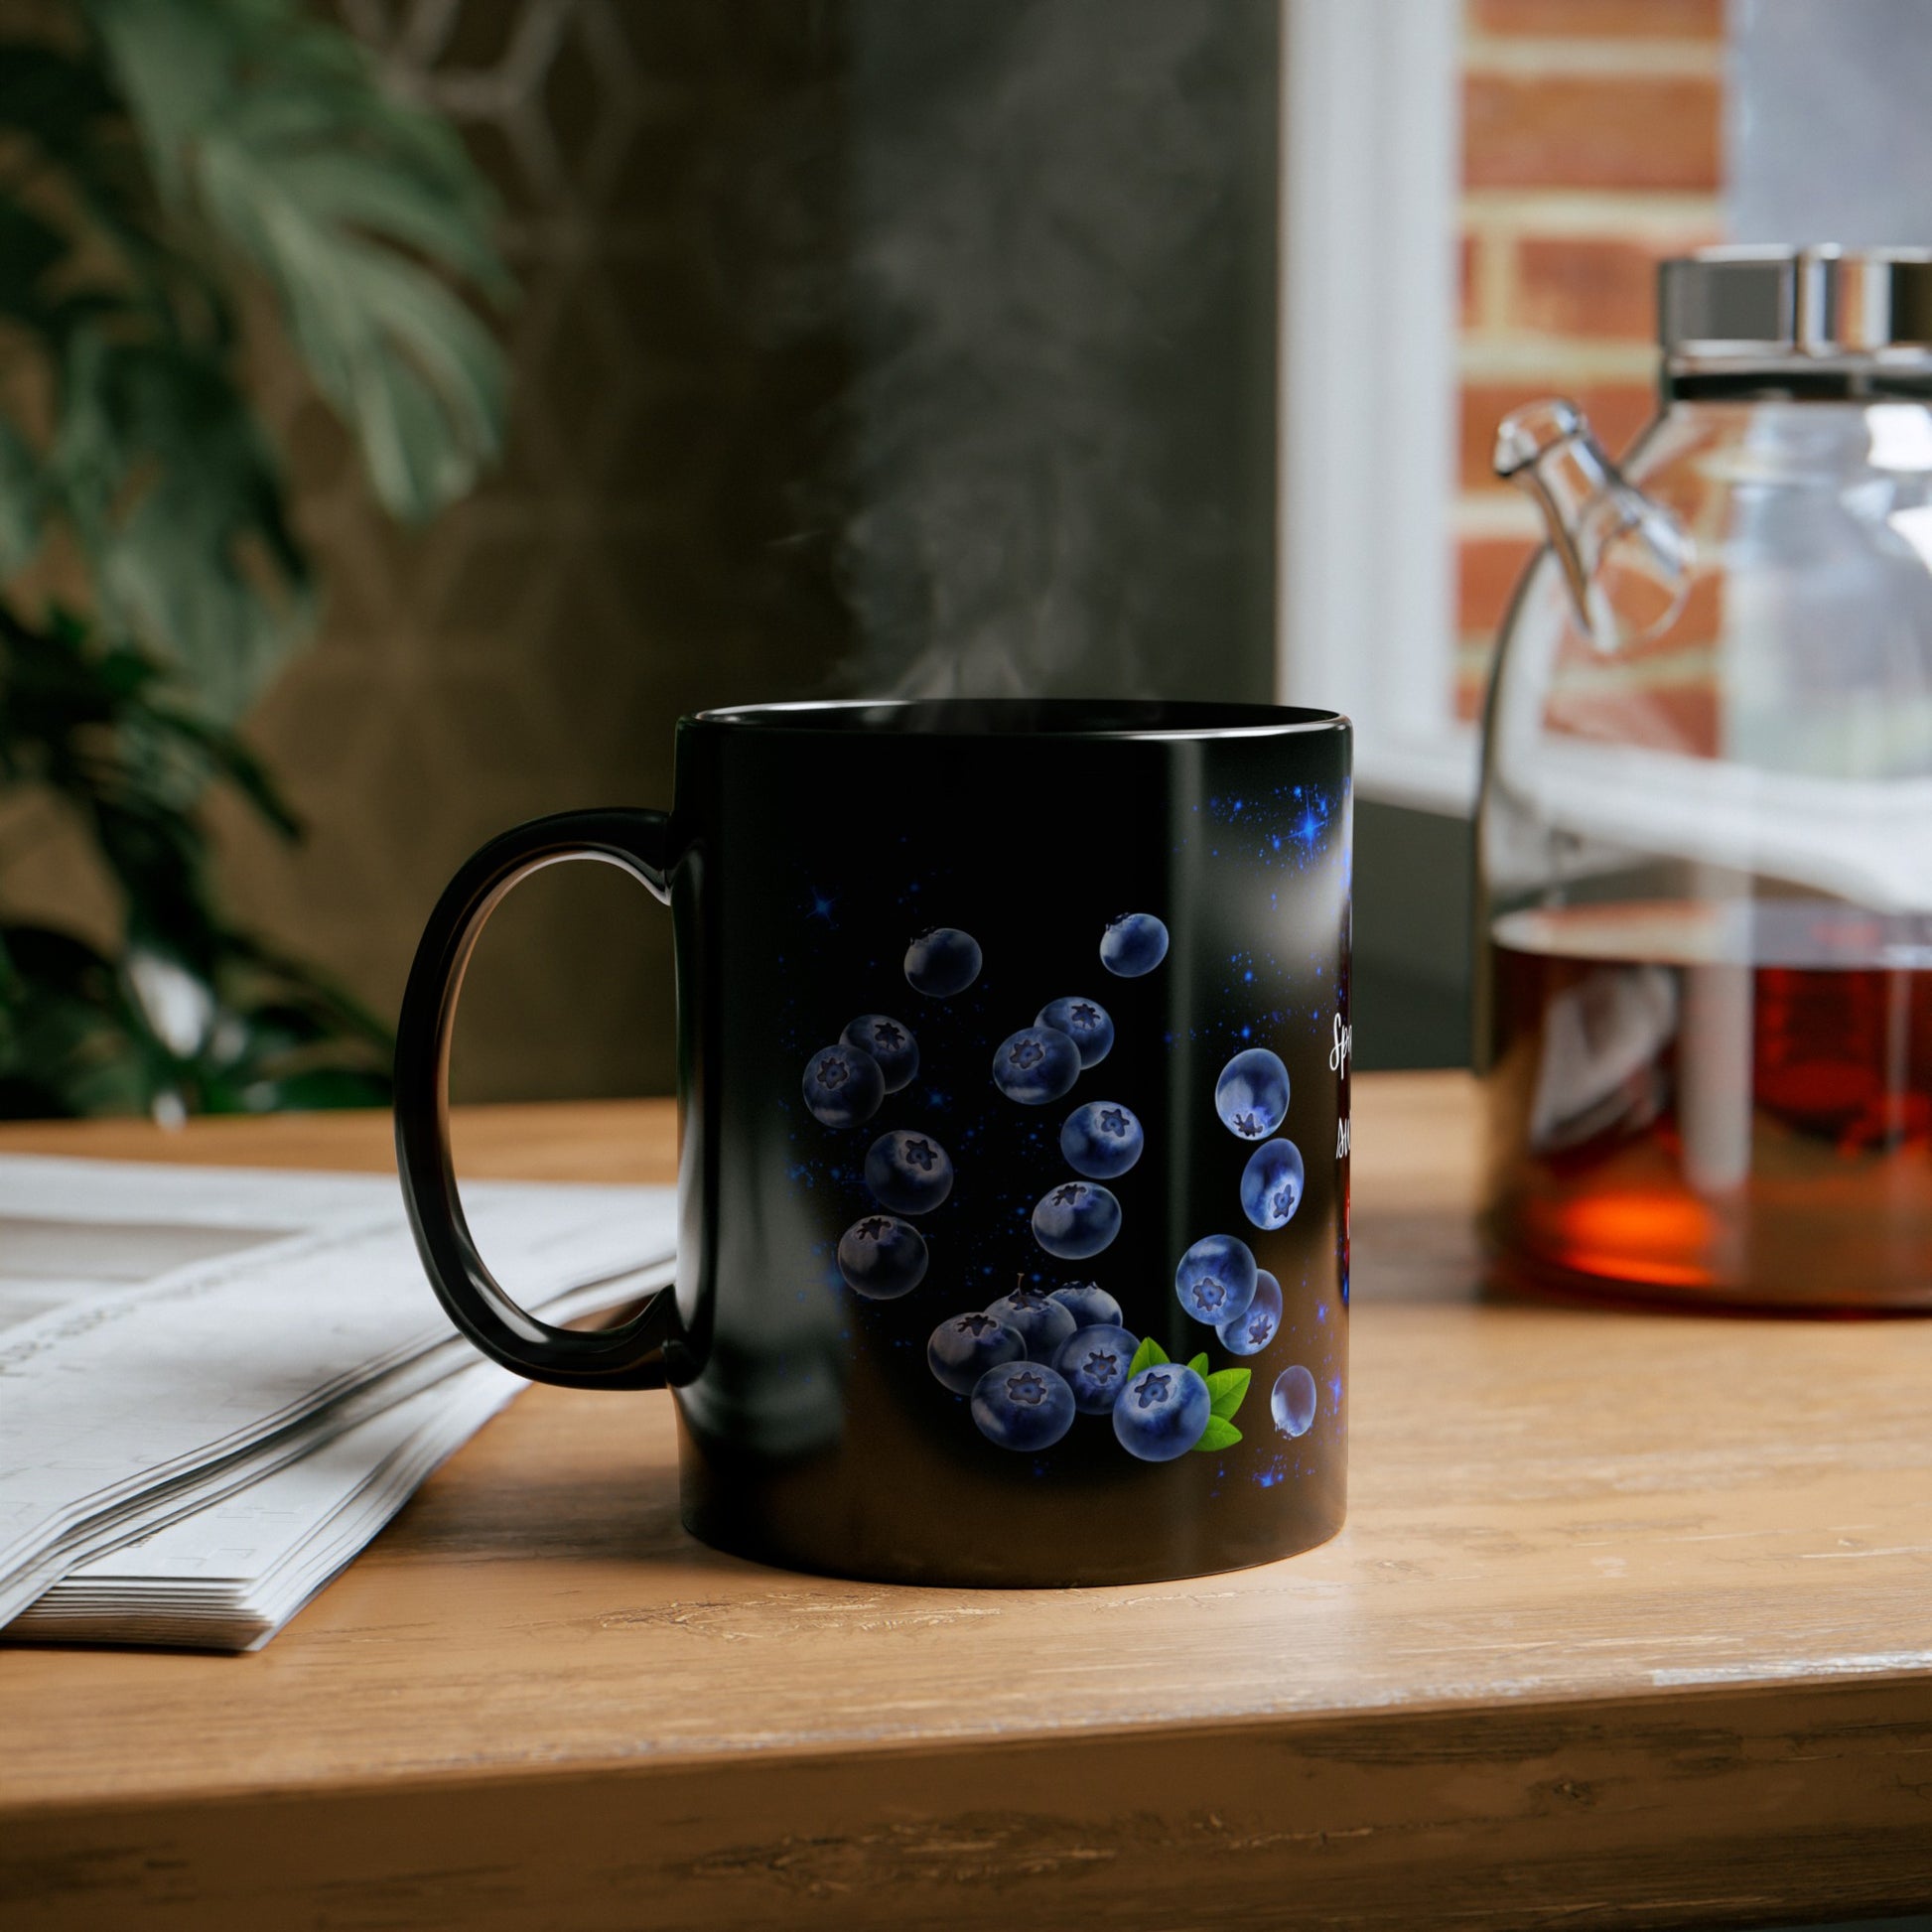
1014 1165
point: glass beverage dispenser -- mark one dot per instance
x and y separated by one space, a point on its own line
1704 838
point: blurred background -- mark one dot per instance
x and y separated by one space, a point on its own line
839 345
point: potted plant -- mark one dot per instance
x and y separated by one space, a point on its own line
159 158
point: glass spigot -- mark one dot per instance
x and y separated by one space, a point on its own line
1625 558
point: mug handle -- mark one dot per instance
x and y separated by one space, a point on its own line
631 1357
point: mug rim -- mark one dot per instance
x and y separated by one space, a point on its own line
1124 718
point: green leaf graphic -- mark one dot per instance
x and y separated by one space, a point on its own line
1219 1434
1199 1366
1226 1389
1147 1355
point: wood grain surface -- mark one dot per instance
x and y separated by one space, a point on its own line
1631 1624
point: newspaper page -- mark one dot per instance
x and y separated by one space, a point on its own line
171 1335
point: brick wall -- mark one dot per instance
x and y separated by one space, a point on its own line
1591 148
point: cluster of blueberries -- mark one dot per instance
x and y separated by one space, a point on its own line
1222 1285
883 1256
1250 1097
1037 1065
1037 1358
1218 1279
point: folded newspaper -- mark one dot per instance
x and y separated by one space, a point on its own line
216 1384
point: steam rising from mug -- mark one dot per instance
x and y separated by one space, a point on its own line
1062 420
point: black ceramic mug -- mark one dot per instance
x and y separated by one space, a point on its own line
1014 1101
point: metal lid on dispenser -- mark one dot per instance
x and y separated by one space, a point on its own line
1795 307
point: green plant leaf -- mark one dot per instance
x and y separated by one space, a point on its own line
177 506
1199 1365
231 759
1148 1355
64 105
275 131
146 158
1219 1434
1227 1388
85 1032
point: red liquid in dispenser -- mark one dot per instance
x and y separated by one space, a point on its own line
1714 1103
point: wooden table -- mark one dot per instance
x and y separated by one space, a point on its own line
1631 1624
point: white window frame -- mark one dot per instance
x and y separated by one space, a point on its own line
1372 172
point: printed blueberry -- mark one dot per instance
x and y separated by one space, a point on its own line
882 1257
1250 1331
890 1042
911 1174
1094 1362
1076 1219
1251 1096
964 1348
1293 1403
1042 1323
1216 1279
1163 1412
942 961
1132 944
1035 1065
1022 1406
1101 1139
843 1085
1084 1022
1270 1184
1090 1305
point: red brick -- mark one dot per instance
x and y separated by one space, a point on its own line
1616 411
1569 285
1677 20
1467 277
1486 570
1628 131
